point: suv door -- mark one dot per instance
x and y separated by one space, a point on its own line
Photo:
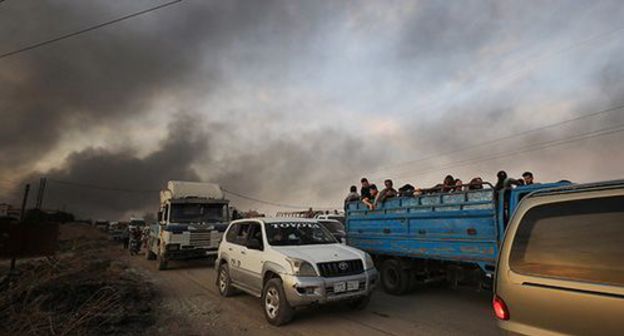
234 241
252 258
562 266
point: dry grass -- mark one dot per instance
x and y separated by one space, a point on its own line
83 292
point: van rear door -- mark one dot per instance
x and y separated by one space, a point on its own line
562 267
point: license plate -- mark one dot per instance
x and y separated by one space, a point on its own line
353 285
340 287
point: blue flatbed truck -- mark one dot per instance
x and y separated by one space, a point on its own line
443 237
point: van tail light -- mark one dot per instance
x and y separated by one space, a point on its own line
500 308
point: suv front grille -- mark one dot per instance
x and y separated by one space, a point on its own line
340 268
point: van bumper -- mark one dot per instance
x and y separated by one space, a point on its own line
301 291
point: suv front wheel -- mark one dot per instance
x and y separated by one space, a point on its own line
276 308
224 283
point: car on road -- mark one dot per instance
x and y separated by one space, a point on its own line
291 263
335 228
561 266
339 217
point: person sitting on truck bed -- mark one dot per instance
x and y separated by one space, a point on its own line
407 191
459 185
528 178
476 183
353 195
365 190
506 182
447 185
501 177
388 192
370 200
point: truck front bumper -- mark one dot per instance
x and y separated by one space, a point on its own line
192 253
301 291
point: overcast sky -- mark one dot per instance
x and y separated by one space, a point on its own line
294 101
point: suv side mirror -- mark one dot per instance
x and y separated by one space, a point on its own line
254 244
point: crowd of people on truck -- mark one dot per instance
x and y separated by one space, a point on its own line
372 197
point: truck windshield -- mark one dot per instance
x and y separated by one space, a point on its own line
287 234
197 213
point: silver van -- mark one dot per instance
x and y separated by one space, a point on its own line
561 266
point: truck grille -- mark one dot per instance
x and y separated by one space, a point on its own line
340 268
202 239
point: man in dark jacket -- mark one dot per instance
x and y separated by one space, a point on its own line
388 192
365 190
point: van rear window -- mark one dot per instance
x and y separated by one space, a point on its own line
575 240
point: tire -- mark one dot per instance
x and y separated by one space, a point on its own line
162 262
149 255
394 278
224 282
360 303
277 310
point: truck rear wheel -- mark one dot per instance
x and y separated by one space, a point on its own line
394 278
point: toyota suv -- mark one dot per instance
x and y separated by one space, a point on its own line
561 266
291 263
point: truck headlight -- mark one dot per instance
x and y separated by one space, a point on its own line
301 267
368 261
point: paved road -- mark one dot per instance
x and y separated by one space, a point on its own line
196 308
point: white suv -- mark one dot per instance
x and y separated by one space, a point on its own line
292 262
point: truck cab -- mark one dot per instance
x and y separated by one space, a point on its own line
191 221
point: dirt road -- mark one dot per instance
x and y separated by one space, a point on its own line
193 307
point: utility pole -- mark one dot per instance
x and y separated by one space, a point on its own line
22 213
40 193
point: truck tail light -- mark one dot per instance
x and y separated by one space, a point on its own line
500 308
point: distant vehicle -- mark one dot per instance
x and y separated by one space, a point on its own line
335 228
136 223
338 217
292 262
445 237
561 265
101 224
116 230
192 219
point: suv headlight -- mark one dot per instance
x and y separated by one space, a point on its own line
301 267
368 261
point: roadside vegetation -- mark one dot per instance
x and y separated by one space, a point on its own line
87 289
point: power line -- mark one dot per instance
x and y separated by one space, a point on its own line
531 148
491 141
520 134
88 29
281 205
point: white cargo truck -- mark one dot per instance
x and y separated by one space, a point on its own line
191 221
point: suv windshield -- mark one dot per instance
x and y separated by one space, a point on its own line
332 225
197 213
293 233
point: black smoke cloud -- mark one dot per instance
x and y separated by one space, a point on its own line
190 50
107 76
134 180
280 168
